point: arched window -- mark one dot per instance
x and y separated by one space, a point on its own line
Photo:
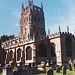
18 54
37 33
38 19
42 50
35 18
68 43
11 55
28 53
53 52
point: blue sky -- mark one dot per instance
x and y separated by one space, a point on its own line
57 12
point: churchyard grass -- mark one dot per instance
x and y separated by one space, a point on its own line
68 72
15 69
1 74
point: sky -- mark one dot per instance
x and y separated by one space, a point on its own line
56 12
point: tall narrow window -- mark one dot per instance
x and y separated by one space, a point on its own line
11 55
25 30
37 33
28 53
42 50
18 54
68 43
35 18
53 52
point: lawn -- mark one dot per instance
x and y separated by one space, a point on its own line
68 72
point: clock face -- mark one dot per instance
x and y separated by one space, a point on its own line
25 28
26 19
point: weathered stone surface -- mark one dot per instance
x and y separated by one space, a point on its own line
53 67
47 64
0 70
41 67
32 34
24 72
29 71
74 67
69 67
15 73
7 71
20 72
49 72
58 69
64 69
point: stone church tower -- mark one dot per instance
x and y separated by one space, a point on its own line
32 22
32 45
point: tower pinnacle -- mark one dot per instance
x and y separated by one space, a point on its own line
67 29
48 31
41 5
28 2
22 7
59 29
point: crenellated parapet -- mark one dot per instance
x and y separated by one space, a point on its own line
16 42
61 34
67 34
54 35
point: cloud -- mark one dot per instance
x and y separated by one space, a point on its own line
17 24
68 18
16 13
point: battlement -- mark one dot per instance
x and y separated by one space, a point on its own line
54 35
67 34
37 9
16 42
32 7
61 34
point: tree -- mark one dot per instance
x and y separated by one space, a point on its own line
3 38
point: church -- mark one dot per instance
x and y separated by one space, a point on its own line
33 46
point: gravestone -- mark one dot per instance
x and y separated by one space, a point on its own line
42 66
47 64
33 65
0 70
51 63
74 67
43 63
74 61
15 73
24 72
19 67
70 62
29 64
7 70
49 72
58 69
20 72
64 70
69 67
29 71
34 71
12 64
53 67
